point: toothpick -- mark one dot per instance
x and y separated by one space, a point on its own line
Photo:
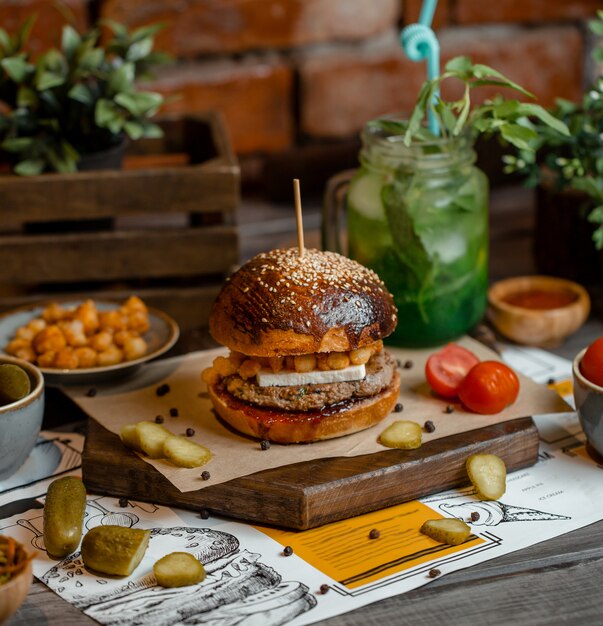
298 217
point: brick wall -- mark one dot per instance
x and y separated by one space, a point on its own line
291 73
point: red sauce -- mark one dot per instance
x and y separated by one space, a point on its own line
540 299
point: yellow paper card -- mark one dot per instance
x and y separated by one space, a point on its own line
345 551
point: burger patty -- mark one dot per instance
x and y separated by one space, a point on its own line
379 373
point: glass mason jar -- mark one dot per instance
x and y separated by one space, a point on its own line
418 216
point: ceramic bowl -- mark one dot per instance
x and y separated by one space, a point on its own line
589 404
543 327
20 421
14 592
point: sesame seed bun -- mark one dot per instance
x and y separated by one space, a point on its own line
304 426
282 304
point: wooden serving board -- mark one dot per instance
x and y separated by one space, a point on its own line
312 493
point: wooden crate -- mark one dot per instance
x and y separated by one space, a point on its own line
164 226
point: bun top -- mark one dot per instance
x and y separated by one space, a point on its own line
282 304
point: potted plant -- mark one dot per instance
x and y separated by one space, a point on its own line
567 173
76 101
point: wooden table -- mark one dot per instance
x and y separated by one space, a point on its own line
554 582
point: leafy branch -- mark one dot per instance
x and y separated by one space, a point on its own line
507 117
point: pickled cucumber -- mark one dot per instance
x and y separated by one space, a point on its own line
64 516
178 569
14 383
402 434
130 438
114 550
184 452
450 531
151 437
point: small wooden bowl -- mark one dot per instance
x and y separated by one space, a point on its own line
14 592
542 327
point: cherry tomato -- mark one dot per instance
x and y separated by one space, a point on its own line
591 365
489 387
446 369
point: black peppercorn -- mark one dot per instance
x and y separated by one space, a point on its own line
205 475
374 534
162 389
123 502
474 516
449 409
159 419
324 589
204 514
398 408
429 426
434 573
288 551
265 444
173 412
408 365
91 392
190 432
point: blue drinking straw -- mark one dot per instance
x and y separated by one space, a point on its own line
419 42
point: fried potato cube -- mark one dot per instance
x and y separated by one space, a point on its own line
50 338
129 437
25 333
178 569
37 324
74 333
138 321
185 453
224 366
249 368
361 355
134 348
276 363
46 359
488 474
111 356
402 434
87 314
304 363
151 437
338 360
27 354
113 320
87 357
101 341
321 361
66 359
134 303
449 531
17 344
210 376
53 313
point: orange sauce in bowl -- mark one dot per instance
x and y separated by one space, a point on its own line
540 299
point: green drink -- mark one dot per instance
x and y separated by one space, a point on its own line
418 216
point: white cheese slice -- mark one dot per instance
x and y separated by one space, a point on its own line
267 378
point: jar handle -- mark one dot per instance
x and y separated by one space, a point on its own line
333 204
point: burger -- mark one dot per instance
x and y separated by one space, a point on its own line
306 358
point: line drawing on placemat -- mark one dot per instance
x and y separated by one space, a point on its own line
237 587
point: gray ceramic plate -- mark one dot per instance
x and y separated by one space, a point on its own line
160 337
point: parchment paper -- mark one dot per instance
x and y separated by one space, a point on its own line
235 455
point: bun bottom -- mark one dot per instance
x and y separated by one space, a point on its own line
305 426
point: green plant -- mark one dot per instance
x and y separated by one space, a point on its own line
506 117
75 100
573 161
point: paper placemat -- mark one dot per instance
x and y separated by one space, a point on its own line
235 455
